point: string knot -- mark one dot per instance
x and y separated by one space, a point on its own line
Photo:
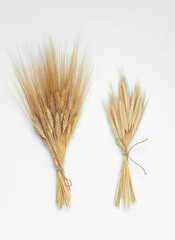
121 144
66 180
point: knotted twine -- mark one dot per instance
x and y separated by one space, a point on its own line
68 182
125 152
59 168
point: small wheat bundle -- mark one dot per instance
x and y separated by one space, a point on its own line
52 87
124 113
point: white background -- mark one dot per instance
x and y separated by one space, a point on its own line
136 36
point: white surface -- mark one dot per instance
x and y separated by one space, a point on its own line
137 36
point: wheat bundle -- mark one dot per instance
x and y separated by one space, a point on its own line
52 86
124 113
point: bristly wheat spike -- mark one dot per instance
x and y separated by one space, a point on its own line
57 125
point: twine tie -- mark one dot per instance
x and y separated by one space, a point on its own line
126 153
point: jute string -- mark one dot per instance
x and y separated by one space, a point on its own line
66 180
126 153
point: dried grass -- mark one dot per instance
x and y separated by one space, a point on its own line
52 86
124 113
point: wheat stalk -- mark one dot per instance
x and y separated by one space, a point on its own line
52 86
124 113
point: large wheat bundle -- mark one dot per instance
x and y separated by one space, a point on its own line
52 86
124 113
